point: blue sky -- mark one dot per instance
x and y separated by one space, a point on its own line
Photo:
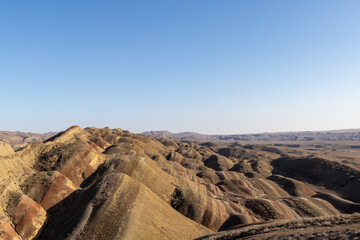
211 66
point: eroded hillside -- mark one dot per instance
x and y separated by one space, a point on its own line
20 139
111 184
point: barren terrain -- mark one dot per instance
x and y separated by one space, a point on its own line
112 184
21 139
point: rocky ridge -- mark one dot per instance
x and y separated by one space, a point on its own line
112 184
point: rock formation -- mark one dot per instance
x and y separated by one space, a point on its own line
111 184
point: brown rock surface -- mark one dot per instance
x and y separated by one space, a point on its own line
119 207
7 232
111 184
60 188
28 217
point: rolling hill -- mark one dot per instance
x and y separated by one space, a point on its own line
113 184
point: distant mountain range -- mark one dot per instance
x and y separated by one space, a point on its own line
333 135
20 139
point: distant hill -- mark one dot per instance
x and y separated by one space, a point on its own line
181 135
110 184
20 139
333 135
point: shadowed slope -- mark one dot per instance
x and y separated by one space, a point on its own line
118 207
338 177
111 184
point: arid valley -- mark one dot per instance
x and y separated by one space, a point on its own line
113 184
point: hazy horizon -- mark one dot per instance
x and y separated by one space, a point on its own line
212 67
244 133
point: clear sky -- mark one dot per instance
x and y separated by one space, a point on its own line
208 66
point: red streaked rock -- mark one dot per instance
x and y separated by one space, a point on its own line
7 232
29 217
60 188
